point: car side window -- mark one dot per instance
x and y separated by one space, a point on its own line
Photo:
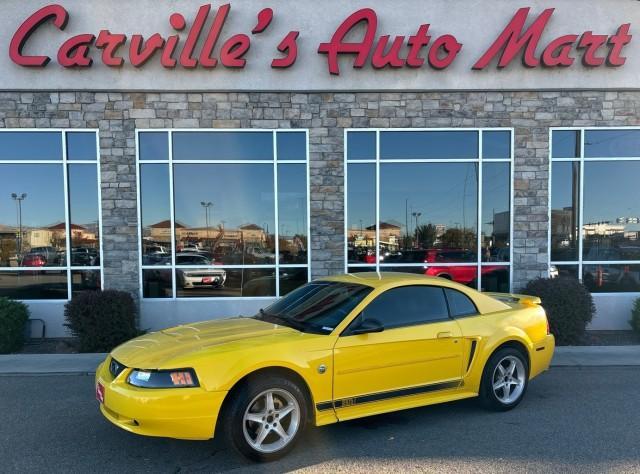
460 305
408 306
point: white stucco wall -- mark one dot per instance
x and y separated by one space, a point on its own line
475 23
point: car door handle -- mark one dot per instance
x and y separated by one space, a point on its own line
444 335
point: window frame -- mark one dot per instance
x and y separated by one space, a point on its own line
170 162
479 161
581 160
65 162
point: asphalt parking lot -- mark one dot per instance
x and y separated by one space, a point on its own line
572 420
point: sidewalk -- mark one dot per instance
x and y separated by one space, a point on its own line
83 364
596 356
50 364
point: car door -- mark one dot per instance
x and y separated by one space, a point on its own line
417 353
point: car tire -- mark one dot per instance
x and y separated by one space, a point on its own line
253 425
504 380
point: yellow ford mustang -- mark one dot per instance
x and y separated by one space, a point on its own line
335 349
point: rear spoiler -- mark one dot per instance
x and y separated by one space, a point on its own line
513 299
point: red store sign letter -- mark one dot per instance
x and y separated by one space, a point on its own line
60 18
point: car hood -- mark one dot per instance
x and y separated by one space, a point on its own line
156 350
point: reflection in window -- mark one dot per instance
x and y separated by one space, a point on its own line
153 146
496 222
224 234
155 214
32 215
292 146
85 280
292 213
157 283
223 145
361 146
495 278
611 278
605 225
292 278
361 213
362 269
428 145
611 223
496 144
565 194
34 285
464 274
34 231
230 283
612 143
226 212
570 271
565 144
81 146
22 146
428 210
83 212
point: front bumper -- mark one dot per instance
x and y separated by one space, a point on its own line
182 413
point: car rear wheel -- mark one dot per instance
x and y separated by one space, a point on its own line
265 418
504 380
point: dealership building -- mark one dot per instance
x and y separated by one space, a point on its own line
211 157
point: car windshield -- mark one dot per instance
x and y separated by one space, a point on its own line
317 307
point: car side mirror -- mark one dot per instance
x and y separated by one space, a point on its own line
367 326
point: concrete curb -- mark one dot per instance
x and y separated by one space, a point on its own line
596 356
50 364
85 364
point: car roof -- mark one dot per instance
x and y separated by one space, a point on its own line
378 279
387 280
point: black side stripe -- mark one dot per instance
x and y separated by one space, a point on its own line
376 397
472 353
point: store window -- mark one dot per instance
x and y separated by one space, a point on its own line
223 213
595 207
434 202
50 224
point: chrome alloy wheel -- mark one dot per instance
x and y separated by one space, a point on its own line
271 420
509 379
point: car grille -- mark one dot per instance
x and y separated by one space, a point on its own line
116 368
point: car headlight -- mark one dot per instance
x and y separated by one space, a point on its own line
175 378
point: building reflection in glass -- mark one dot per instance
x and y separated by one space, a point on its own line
428 198
223 235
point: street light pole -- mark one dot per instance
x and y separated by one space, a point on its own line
416 216
207 206
18 199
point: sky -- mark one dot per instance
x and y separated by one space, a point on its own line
435 190
44 186
610 190
240 194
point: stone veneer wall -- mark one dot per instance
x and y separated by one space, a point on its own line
117 115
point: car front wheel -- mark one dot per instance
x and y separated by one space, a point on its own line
265 418
504 380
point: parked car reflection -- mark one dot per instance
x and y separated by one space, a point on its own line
209 276
611 278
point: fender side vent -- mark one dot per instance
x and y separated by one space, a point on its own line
472 352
